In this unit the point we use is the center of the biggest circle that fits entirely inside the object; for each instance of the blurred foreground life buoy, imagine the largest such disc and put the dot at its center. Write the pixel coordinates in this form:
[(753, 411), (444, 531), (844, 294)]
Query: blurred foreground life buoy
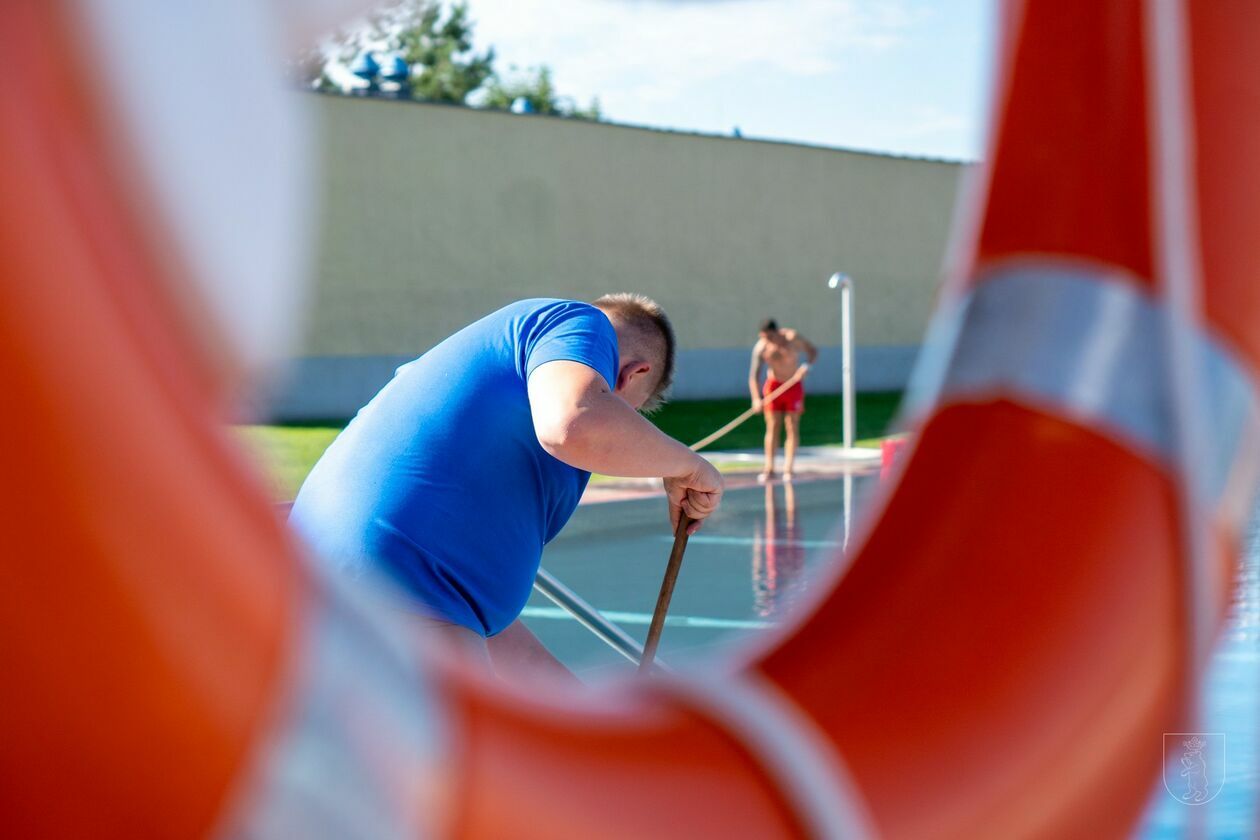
[(1047, 572)]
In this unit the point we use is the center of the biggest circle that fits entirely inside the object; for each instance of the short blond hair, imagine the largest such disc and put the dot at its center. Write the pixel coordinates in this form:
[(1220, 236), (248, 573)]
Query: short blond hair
[(645, 319)]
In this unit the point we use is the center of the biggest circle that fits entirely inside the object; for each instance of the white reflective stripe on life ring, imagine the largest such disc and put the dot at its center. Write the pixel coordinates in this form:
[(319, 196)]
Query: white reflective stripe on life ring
[(797, 757), (354, 747), (1088, 346)]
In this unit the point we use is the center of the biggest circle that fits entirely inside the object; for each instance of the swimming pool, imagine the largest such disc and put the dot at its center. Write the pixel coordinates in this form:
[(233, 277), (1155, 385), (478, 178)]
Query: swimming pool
[(1231, 707), (749, 564), (756, 558)]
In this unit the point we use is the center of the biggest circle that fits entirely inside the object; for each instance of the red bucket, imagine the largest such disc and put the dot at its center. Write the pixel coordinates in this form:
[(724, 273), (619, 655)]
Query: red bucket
[(889, 451)]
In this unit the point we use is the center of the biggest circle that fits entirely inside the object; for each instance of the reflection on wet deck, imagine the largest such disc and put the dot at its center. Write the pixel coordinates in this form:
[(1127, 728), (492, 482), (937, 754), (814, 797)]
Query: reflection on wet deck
[(778, 553)]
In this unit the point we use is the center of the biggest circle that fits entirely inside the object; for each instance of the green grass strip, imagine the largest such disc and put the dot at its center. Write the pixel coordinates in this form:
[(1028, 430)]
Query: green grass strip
[(287, 452)]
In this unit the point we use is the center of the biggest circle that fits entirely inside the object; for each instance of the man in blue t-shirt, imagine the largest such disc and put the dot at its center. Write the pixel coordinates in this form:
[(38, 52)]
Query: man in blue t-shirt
[(453, 478)]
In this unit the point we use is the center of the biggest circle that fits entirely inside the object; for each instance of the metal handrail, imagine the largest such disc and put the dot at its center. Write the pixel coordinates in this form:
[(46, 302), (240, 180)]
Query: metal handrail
[(572, 603)]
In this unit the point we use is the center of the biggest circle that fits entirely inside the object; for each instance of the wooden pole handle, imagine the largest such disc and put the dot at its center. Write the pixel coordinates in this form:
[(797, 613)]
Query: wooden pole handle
[(667, 592), (739, 421)]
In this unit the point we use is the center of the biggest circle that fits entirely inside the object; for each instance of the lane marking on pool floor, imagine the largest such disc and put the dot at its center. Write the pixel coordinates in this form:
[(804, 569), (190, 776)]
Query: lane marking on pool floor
[(718, 539), (646, 618)]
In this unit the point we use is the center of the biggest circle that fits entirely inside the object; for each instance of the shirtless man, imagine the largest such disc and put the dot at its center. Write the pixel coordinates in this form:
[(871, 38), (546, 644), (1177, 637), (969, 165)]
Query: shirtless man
[(780, 351)]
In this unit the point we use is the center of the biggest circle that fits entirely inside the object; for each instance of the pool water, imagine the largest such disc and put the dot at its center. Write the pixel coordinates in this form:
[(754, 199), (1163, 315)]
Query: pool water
[(750, 563), (1231, 707), (754, 560)]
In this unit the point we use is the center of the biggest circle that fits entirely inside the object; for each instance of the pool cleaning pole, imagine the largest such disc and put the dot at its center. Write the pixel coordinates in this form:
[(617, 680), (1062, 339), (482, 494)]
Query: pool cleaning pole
[(569, 601), (844, 283), (667, 592)]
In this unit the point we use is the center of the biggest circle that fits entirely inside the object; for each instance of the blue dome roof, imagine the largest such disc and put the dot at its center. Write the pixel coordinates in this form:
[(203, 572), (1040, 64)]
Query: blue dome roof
[(365, 66), (394, 69)]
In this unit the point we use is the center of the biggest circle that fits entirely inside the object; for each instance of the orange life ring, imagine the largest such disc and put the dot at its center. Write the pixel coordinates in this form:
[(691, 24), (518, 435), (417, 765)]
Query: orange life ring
[(172, 669)]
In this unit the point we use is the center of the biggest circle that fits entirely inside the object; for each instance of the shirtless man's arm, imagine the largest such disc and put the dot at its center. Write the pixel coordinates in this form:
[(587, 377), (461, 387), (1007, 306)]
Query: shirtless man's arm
[(754, 374), (801, 344)]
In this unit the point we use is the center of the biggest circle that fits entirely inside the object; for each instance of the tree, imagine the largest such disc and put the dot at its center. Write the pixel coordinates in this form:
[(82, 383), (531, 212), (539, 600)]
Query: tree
[(437, 47), (535, 87), (436, 42)]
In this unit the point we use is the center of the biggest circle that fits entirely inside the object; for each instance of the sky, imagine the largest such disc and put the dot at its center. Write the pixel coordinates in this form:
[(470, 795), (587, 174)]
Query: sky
[(908, 77)]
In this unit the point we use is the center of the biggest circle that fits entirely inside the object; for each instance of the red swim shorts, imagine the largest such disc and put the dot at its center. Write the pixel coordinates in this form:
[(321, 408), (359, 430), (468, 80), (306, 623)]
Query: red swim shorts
[(791, 401)]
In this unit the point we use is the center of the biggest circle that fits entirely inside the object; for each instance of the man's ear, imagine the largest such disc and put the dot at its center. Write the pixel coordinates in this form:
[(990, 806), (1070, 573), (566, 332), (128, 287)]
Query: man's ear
[(630, 371)]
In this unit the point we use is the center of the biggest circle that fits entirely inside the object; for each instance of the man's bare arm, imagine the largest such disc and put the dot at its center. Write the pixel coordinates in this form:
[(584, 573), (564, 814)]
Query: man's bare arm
[(801, 344), (580, 421), (754, 375)]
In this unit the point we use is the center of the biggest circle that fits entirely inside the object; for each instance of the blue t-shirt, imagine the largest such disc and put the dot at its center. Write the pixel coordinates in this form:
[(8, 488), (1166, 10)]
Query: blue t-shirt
[(440, 483)]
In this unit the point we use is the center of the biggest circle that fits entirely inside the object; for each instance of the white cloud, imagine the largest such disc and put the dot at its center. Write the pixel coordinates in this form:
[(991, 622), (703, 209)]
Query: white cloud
[(653, 50)]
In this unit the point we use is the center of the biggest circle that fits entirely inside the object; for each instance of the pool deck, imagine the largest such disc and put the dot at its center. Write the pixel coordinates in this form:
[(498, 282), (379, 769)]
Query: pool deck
[(812, 464)]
